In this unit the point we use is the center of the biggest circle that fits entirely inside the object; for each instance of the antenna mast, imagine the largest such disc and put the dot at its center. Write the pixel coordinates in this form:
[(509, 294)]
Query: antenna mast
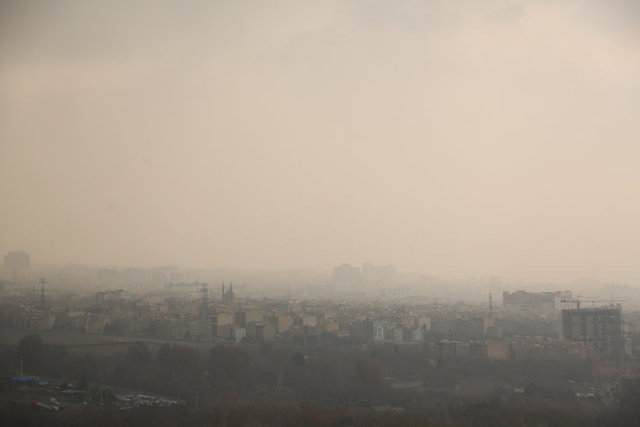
[(42, 282)]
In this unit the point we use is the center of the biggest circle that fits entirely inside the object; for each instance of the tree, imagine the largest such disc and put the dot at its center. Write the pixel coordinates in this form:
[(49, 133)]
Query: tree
[(83, 382), (298, 359), (228, 362), (31, 349), (176, 356), (138, 354), (369, 373)]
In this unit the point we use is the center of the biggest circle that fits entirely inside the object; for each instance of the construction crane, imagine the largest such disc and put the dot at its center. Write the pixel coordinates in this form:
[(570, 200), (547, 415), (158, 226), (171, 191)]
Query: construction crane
[(578, 301)]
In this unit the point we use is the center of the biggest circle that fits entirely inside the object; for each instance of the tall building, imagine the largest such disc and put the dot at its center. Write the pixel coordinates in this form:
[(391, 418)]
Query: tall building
[(377, 273), (17, 263), (228, 296), (346, 274), (108, 277), (202, 322), (522, 301), (600, 329)]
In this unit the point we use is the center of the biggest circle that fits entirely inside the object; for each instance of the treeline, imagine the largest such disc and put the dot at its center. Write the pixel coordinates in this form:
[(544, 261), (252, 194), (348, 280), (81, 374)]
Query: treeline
[(286, 372), (316, 385), (195, 375)]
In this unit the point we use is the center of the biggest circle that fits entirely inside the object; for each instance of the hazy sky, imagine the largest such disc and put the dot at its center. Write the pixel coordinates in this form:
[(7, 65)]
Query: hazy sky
[(457, 138)]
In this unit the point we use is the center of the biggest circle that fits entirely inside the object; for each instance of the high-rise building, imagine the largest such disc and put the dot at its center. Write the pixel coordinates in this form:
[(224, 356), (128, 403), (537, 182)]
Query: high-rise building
[(17, 263), (522, 301), (600, 329), (346, 274), (377, 273), (228, 296), (202, 323)]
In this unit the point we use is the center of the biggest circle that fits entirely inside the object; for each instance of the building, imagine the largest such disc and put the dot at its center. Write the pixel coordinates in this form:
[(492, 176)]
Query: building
[(423, 322), (346, 274), (522, 301), (418, 334), (228, 296), (40, 320), (377, 273), (94, 323), (284, 323), (309, 320), (16, 263), (108, 277), (475, 349), (260, 331), (497, 350), (225, 318), (600, 329), (200, 328), (447, 348), (109, 298), (379, 327)]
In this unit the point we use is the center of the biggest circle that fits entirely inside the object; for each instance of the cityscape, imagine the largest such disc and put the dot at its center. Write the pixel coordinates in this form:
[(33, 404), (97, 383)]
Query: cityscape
[(415, 355), (337, 213)]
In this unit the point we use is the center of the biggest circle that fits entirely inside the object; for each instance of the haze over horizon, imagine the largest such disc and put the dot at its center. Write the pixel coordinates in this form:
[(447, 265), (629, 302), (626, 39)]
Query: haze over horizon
[(451, 138)]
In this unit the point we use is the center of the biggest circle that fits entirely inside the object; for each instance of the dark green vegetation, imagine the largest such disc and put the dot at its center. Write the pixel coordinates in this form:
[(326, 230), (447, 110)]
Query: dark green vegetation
[(284, 384)]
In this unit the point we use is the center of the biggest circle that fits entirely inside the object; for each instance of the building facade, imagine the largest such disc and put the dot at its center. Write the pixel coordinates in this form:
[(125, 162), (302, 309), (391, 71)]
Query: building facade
[(17, 263), (600, 329)]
